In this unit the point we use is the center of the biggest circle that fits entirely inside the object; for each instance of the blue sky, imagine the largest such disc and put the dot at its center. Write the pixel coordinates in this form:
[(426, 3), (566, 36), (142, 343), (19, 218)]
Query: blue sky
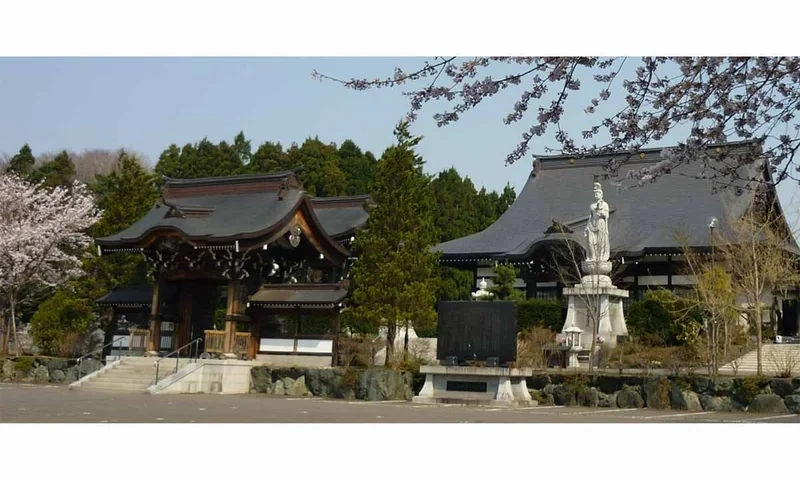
[(145, 104)]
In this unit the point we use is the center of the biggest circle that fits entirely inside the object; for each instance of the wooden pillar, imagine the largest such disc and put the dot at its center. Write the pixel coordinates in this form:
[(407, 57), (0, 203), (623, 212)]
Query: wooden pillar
[(233, 312), (154, 335), (182, 332), (336, 328), (255, 338)]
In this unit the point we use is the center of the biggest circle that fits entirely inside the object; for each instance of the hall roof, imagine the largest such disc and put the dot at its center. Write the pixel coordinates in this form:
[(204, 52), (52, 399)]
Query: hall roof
[(310, 295), (222, 210), (643, 219)]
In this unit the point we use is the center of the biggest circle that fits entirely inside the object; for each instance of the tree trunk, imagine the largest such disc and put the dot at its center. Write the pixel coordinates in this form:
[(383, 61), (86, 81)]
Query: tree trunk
[(17, 344), (758, 337), (709, 327), (4, 336), (405, 343), (391, 334)]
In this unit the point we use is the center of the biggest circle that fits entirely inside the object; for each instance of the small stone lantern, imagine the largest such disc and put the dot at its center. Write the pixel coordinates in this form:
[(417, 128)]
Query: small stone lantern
[(573, 334)]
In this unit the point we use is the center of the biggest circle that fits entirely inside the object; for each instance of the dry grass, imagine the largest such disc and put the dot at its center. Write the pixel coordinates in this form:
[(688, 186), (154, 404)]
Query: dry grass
[(532, 347), (784, 364)]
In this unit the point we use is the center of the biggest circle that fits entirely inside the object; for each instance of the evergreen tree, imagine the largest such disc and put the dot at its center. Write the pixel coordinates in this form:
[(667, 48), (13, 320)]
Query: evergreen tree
[(358, 168), (125, 196), (269, 158), (505, 277), (23, 162), (321, 175), (60, 172), (205, 159), (395, 274)]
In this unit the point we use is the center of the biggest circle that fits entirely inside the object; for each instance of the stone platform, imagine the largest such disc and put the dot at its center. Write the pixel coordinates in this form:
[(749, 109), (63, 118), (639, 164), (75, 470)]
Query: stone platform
[(490, 386)]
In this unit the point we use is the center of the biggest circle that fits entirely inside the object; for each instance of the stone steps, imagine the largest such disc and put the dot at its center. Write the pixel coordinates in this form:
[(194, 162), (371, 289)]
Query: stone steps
[(773, 358), (133, 374)]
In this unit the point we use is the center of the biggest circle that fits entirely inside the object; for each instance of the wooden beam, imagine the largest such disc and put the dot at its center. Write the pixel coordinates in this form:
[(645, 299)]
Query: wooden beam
[(154, 334), (234, 309)]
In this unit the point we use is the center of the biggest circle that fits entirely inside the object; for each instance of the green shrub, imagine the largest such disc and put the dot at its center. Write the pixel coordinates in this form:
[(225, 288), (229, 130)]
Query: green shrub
[(540, 313), (60, 315), (24, 364), (654, 320), (749, 388)]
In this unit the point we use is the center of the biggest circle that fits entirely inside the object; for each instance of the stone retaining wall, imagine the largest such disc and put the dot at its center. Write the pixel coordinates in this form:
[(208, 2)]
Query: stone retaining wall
[(46, 369), (692, 393), (372, 384)]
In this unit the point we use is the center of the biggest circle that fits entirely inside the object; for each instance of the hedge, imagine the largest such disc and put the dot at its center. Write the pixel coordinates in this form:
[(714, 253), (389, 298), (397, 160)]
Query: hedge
[(540, 313)]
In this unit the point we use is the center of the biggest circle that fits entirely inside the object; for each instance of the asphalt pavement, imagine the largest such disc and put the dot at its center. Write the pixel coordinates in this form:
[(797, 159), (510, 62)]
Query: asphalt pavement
[(28, 403)]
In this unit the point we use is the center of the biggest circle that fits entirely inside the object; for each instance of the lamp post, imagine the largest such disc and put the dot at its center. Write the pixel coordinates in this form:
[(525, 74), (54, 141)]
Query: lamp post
[(712, 222)]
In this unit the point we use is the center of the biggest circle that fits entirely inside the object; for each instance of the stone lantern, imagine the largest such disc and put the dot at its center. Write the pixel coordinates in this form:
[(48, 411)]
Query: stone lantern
[(573, 336)]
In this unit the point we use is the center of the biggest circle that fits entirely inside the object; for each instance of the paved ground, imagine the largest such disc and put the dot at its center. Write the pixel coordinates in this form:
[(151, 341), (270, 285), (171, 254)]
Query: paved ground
[(24, 403)]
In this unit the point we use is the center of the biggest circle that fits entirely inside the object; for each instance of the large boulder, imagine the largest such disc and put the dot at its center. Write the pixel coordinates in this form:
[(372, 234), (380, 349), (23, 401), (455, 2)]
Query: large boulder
[(41, 374), (588, 397), (629, 397), (611, 401), (8, 369), (767, 403), (549, 389), (564, 396), (609, 384), (657, 392), (683, 399), (277, 388), (298, 388), (71, 374), (377, 384), (57, 376), (723, 386), (702, 385), (325, 382), (288, 383), (55, 364), (781, 386), (261, 379), (792, 403), (796, 384), (719, 404), (89, 365)]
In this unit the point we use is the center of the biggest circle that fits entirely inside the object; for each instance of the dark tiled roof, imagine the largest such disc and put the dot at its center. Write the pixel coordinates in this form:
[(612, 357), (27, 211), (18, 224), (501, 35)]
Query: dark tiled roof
[(642, 218), (225, 209), (302, 295), (132, 296), (341, 216)]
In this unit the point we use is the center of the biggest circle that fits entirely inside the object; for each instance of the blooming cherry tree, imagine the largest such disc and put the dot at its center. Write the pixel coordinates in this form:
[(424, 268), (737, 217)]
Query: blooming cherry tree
[(42, 236), (710, 99)]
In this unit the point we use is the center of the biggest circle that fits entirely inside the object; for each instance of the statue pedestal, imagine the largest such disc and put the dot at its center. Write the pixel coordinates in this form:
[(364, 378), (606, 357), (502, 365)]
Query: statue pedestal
[(596, 294)]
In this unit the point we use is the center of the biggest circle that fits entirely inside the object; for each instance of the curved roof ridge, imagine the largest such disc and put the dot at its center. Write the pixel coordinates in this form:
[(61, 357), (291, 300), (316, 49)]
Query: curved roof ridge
[(242, 178)]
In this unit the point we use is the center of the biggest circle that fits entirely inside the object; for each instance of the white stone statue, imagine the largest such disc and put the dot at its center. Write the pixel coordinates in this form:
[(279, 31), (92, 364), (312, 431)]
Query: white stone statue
[(597, 228)]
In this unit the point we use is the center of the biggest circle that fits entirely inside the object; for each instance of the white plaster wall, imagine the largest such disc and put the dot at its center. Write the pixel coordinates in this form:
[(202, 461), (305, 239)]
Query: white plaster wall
[(208, 376)]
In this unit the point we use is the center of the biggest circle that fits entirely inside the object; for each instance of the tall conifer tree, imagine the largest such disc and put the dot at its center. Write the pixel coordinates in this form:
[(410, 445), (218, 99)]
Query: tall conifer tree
[(396, 273)]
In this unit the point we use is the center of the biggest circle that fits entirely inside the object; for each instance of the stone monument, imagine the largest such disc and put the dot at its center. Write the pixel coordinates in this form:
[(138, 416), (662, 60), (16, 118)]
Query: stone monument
[(596, 298)]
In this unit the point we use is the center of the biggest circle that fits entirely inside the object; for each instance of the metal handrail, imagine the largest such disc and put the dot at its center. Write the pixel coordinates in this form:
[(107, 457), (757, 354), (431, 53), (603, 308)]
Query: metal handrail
[(80, 369), (177, 354)]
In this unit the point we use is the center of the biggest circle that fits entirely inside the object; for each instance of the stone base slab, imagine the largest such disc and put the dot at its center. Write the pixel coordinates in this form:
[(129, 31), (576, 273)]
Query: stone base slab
[(491, 386)]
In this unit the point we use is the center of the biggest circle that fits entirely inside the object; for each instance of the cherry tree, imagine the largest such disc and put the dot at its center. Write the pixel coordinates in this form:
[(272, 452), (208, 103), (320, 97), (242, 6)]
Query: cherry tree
[(712, 99), (42, 237)]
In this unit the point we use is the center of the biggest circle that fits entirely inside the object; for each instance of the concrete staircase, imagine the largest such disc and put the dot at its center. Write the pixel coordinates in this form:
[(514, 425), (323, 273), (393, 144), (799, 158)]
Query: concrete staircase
[(130, 375), (774, 359)]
